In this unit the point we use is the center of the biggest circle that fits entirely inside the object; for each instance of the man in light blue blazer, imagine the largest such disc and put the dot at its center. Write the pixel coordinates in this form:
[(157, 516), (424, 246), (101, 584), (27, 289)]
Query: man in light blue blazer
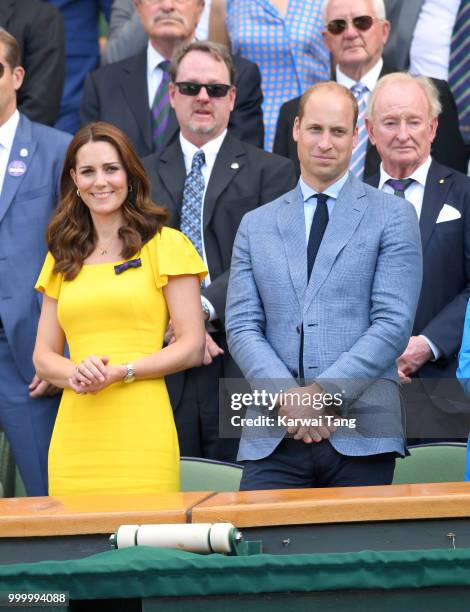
[(31, 157), (322, 295)]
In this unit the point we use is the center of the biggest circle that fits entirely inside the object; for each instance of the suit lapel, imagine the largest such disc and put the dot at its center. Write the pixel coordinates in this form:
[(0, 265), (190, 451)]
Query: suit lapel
[(291, 225), (347, 213), (172, 171), (21, 156), (135, 90), (438, 183), (230, 159)]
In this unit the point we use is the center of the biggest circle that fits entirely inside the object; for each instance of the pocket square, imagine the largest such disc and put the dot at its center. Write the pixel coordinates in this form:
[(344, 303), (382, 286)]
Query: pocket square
[(448, 213)]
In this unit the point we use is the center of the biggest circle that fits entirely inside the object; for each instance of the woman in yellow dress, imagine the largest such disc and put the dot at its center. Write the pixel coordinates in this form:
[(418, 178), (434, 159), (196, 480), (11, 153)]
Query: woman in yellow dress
[(112, 280)]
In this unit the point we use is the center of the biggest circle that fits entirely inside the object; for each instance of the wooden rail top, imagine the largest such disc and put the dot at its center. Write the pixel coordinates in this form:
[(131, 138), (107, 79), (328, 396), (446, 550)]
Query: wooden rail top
[(46, 516), (89, 514), (339, 505)]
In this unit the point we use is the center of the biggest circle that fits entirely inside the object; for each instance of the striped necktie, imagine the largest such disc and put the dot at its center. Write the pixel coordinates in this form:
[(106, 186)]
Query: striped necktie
[(193, 192), (399, 186), (160, 111), (358, 157), (459, 67)]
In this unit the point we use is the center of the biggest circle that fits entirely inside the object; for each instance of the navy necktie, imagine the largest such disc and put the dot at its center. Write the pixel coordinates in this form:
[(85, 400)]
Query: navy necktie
[(193, 191), (317, 229), (319, 223)]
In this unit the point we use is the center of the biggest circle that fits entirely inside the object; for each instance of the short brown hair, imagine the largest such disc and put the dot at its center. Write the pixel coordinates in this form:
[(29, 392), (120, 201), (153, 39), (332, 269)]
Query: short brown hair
[(333, 87), (12, 49), (218, 52), (71, 235)]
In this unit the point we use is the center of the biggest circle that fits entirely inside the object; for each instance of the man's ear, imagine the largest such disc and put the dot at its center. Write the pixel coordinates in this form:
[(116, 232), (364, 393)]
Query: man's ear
[(370, 130), (296, 129), (18, 77)]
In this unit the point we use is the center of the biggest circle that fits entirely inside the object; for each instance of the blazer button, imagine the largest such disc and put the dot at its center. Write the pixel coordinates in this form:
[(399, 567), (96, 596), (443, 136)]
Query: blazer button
[(295, 373)]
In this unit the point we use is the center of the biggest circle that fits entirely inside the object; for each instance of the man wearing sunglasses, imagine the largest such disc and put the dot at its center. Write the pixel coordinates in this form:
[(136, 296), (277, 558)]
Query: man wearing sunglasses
[(355, 34), (31, 157), (133, 93), (208, 179)]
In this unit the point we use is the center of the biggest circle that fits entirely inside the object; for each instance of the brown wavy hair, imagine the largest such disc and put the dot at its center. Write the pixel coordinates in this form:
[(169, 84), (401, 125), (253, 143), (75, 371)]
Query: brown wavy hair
[(71, 236)]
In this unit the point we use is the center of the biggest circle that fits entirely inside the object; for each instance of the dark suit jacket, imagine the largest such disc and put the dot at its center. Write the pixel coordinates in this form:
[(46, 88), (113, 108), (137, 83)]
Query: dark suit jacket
[(118, 93), (446, 267), (243, 177), (39, 30), (448, 146), (403, 15)]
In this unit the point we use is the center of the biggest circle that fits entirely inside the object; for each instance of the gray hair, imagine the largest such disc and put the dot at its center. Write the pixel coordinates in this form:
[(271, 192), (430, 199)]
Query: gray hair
[(379, 9), (426, 85)]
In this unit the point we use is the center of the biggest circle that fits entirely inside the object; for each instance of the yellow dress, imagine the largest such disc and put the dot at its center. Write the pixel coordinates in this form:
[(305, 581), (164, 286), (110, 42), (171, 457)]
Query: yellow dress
[(123, 439)]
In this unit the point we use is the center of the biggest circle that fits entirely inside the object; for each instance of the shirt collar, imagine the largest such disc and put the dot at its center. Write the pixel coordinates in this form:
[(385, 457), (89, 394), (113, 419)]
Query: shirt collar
[(153, 59), (369, 79), (332, 191), (8, 130), (210, 149), (419, 175)]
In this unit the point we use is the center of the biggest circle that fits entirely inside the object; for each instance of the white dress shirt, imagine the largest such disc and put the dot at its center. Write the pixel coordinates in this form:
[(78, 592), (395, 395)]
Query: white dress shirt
[(430, 45), (310, 204), (414, 194), (369, 79), (211, 150), (7, 135)]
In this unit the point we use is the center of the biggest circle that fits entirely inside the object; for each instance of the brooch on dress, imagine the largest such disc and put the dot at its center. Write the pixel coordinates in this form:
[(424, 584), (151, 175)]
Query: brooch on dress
[(132, 263)]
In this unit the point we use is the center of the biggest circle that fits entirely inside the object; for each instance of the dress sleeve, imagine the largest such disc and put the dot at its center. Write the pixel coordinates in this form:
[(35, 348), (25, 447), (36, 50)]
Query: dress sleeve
[(175, 255), (49, 282)]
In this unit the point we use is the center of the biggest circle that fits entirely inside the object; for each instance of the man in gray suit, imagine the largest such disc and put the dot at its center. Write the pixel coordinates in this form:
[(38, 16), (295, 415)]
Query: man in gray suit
[(31, 157), (322, 295)]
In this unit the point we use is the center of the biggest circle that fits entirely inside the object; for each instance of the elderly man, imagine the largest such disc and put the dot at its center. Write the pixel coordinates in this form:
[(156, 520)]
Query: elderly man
[(133, 93), (31, 157), (323, 290), (208, 179), (355, 33), (402, 123)]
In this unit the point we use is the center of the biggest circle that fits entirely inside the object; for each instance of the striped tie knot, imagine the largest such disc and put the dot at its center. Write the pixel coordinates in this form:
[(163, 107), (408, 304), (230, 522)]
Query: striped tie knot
[(359, 90), (399, 186)]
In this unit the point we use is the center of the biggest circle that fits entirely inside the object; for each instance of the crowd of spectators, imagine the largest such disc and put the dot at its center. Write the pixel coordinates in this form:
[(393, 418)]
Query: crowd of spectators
[(199, 107)]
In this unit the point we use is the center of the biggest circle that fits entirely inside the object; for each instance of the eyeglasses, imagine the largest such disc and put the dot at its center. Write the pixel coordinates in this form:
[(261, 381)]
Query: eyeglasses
[(214, 90), (361, 23)]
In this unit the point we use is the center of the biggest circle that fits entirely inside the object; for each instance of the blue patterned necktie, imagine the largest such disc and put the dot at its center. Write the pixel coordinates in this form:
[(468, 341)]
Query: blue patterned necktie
[(160, 111), (399, 186), (459, 67), (193, 193), (358, 157)]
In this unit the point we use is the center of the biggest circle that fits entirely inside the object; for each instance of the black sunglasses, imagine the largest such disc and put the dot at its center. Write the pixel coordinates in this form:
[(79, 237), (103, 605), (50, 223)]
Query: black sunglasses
[(214, 90), (361, 23)]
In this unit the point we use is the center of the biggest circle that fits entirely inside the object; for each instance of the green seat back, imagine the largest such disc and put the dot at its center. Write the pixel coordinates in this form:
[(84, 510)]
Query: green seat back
[(432, 463), (206, 475)]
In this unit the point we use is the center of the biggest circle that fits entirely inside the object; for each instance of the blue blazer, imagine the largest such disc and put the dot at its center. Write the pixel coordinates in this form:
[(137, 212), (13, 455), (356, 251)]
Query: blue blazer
[(26, 204), (357, 310)]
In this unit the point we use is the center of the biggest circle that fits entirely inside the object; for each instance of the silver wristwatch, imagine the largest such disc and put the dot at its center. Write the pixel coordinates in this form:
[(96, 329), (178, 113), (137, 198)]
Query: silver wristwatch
[(130, 374)]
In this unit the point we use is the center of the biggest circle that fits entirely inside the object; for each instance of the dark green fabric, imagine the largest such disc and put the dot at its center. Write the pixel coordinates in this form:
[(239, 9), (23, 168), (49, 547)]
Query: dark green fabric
[(147, 572)]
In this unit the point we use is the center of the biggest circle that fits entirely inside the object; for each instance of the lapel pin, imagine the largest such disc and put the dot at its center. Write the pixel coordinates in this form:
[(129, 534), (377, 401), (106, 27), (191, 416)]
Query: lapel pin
[(24, 152), (234, 166), (16, 168), (441, 181)]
